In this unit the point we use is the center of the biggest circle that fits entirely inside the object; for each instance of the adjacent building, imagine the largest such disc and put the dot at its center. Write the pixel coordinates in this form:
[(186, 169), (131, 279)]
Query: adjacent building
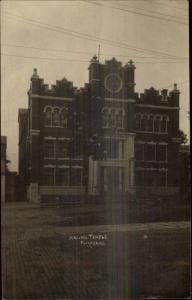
[(102, 140), (11, 187), (3, 166)]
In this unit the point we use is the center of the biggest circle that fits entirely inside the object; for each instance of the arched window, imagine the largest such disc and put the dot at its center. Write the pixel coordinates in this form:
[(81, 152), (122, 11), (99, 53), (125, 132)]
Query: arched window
[(144, 123), (56, 117), (64, 118), (48, 116), (105, 118), (164, 123), (157, 124), (120, 119), (137, 121), (112, 118), (151, 123)]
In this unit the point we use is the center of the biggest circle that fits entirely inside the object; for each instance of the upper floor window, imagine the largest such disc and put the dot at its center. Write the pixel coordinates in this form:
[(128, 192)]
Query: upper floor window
[(49, 148), (64, 118), (105, 117), (55, 116), (162, 153), (157, 120), (137, 121), (164, 98), (164, 124), (144, 122), (150, 151), (120, 119), (113, 148), (48, 116), (151, 123), (112, 117)]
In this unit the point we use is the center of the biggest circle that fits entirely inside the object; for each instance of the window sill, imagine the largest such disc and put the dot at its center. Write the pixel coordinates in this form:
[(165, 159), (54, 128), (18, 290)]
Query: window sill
[(55, 126), (154, 132)]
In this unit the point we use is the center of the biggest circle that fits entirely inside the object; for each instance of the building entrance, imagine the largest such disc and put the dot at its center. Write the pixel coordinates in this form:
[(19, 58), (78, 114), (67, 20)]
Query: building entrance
[(112, 181)]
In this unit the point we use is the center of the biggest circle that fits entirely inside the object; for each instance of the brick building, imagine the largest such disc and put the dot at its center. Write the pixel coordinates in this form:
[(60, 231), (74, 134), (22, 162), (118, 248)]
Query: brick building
[(185, 172), (102, 139)]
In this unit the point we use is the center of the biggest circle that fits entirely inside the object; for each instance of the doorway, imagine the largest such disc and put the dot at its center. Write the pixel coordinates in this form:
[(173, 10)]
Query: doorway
[(112, 181)]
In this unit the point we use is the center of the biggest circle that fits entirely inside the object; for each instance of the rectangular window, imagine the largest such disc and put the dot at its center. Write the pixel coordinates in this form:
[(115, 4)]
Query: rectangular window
[(49, 149), (111, 148), (164, 98), (144, 123), (162, 178), (76, 176), (78, 148), (121, 149), (62, 149), (139, 151), (162, 152), (114, 149), (62, 176), (119, 120), (105, 118), (164, 124), (150, 152), (150, 178), (112, 118), (139, 178), (49, 176)]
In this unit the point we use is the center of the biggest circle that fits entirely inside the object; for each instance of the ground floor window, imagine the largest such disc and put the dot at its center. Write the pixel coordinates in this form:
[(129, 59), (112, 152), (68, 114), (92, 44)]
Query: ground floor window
[(151, 178), (139, 178), (76, 176), (62, 177), (139, 151), (162, 178), (49, 176)]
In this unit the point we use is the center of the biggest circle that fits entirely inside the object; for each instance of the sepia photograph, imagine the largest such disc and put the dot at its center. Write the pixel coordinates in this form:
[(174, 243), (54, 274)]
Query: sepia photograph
[(95, 150)]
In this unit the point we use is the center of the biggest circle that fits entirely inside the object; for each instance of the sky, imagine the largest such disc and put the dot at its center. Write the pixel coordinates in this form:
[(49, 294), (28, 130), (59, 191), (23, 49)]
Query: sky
[(59, 38)]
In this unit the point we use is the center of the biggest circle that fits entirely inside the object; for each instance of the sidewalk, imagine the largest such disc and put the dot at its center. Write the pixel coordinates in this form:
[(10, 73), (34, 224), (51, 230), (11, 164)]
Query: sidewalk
[(122, 227)]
